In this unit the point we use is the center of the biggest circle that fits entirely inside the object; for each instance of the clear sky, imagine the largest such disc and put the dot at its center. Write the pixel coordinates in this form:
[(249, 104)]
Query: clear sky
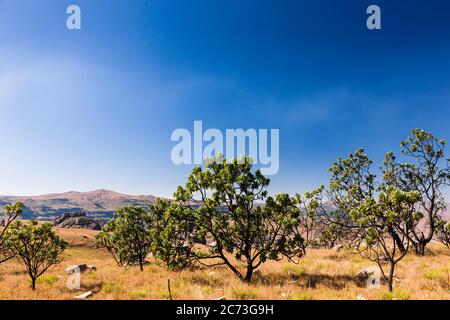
[(95, 108)]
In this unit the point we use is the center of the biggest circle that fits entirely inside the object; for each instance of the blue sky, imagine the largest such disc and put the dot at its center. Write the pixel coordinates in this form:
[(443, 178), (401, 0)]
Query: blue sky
[(95, 108)]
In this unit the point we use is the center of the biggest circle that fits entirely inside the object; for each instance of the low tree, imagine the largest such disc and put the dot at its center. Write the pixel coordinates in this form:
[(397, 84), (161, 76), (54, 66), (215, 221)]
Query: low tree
[(378, 219), (127, 236), (351, 184), (104, 239), (11, 213), (427, 174), (308, 212), (172, 233), (381, 223), (226, 200), (36, 246)]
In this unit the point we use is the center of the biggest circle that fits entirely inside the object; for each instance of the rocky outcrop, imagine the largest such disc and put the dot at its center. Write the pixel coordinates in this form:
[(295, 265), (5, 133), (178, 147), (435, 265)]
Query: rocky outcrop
[(76, 220)]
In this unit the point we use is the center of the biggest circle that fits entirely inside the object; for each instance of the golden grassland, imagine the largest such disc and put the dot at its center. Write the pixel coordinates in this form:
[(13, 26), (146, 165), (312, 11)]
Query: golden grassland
[(321, 274)]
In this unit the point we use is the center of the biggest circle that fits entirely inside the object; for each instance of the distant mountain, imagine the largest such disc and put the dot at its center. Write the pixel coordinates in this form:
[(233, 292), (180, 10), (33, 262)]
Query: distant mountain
[(99, 203)]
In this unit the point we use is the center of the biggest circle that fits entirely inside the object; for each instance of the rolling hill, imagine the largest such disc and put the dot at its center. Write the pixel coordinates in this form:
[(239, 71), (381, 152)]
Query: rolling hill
[(99, 203)]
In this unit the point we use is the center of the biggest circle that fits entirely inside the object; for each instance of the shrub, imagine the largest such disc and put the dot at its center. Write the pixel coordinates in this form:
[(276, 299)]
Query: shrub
[(36, 246)]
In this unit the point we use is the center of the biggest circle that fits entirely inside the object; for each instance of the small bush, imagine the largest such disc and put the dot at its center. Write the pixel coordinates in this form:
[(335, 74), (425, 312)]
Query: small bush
[(49, 279)]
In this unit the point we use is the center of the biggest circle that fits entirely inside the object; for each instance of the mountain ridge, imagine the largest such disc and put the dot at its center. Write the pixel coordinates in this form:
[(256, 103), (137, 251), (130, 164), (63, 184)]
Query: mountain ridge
[(100, 203)]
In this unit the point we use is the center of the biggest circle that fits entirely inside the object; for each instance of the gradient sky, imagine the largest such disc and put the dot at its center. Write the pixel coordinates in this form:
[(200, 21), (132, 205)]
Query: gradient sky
[(95, 108)]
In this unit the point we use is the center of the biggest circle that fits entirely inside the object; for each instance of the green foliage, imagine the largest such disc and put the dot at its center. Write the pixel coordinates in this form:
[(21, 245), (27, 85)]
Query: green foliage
[(36, 246), (391, 214), (11, 213), (231, 195), (300, 216), (427, 175), (379, 224), (172, 235), (351, 182), (127, 236)]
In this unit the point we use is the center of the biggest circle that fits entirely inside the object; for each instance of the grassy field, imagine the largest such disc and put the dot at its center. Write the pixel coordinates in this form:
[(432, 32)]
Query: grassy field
[(322, 274)]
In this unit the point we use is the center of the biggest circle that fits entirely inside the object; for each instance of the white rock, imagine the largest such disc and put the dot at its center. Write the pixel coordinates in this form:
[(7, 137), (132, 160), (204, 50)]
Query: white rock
[(83, 296), (220, 298)]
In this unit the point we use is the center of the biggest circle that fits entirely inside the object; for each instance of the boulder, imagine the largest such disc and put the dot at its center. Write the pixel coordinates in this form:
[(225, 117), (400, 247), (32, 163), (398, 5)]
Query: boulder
[(80, 268), (76, 220), (83, 296), (369, 276)]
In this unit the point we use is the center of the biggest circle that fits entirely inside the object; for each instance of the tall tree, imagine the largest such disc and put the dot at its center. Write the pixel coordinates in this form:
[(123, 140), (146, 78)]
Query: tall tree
[(351, 184), (36, 246), (226, 203), (379, 219), (427, 175), (11, 213)]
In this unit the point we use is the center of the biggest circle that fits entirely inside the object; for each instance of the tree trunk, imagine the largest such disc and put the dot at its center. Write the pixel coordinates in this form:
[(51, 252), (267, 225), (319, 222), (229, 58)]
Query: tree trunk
[(400, 244), (248, 275), (397, 240), (420, 249), (33, 284), (141, 264), (391, 276)]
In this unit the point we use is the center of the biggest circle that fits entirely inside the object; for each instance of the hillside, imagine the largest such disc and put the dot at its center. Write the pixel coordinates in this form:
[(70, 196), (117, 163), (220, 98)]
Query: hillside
[(99, 203)]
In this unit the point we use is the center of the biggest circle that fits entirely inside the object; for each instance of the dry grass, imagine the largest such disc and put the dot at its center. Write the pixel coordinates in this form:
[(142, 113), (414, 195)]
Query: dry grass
[(322, 274)]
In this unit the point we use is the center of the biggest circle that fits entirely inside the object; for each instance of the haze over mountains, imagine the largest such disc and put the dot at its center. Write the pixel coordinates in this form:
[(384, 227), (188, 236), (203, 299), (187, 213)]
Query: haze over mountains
[(99, 203)]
